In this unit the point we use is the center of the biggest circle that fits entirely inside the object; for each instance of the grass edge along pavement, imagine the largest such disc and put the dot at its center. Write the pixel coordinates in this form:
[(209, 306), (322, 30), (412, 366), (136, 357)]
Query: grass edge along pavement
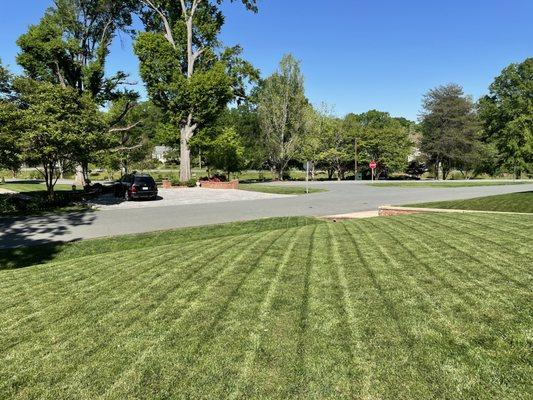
[(415, 306), (277, 189), (27, 256), (447, 184), (519, 202)]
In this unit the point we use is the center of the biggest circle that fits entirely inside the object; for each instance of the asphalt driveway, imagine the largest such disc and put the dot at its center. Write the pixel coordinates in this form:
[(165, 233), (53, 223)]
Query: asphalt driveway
[(340, 198)]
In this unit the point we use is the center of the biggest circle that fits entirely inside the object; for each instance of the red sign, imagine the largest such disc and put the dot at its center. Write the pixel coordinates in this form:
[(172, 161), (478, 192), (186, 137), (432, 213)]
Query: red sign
[(372, 164)]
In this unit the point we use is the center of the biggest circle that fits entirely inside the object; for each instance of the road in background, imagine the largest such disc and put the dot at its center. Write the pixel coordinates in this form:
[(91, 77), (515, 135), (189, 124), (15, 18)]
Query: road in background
[(340, 198)]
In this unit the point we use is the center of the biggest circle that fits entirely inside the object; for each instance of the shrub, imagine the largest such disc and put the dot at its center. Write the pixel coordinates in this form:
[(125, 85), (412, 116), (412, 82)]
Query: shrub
[(191, 182)]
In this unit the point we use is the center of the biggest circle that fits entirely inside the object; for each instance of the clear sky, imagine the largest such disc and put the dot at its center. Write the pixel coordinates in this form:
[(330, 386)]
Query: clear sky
[(356, 54)]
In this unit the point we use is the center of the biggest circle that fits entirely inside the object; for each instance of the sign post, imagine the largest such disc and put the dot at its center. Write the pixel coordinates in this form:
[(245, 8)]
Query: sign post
[(372, 166)]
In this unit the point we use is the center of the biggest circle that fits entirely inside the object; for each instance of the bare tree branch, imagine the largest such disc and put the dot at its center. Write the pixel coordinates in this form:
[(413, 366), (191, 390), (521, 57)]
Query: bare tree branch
[(168, 30), (124, 128)]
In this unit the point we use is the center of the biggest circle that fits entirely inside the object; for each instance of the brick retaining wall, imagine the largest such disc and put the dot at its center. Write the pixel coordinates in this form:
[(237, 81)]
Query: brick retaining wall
[(234, 184)]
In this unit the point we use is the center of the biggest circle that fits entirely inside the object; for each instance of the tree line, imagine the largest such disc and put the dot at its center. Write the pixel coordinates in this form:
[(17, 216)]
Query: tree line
[(65, 112)]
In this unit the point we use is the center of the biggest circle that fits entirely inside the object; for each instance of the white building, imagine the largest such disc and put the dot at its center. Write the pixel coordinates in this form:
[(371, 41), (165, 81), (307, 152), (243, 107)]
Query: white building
[(160, 153)]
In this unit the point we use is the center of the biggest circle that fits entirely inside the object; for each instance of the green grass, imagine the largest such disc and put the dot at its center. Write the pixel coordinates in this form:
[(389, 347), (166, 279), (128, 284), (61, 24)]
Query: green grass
[(277, 189), (448, 184), (29, 188), (411, 307), (512, 202)]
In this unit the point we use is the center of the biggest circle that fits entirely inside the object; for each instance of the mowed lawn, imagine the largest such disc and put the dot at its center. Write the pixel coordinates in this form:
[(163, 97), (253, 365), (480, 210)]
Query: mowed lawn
[(411, 307), (514, 202), (253, 187), (30, 187)]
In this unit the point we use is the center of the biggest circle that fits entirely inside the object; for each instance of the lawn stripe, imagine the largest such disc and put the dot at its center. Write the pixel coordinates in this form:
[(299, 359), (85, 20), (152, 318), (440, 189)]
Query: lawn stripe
[(506, 223), (472, 250), (130, 300), (485, 318), (255, 337), (324, 362), (168, 288), (302, 380), (431, 384), (357, 372), (221, 345), (490, 228), (275, 372), (116, 273), (470, 278), (164, 287), (125, 378), (86, 274)]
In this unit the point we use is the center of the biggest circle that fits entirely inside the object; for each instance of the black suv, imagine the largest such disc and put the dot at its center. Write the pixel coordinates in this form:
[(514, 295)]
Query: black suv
[(136, 186)]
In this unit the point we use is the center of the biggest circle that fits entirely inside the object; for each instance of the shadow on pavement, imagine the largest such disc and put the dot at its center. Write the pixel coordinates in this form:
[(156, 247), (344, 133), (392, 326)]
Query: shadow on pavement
[(28, 241)]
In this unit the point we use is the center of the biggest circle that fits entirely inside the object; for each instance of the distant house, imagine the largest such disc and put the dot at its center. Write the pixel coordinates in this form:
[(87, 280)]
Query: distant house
[(160, 153)]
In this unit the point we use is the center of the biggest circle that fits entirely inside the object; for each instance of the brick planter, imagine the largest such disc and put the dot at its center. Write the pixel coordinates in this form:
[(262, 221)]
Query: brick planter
[(234, 184), (167, 184)]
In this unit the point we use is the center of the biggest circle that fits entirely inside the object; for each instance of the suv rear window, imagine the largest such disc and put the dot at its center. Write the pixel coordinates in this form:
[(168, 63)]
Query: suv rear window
[(144, 180)]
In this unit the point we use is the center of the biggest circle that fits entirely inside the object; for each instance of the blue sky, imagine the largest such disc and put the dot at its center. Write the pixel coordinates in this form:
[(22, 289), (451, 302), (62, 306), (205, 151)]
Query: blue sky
[(356, 54)]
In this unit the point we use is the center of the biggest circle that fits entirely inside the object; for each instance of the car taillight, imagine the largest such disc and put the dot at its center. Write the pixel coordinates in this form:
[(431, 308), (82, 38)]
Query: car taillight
[(133, 188)]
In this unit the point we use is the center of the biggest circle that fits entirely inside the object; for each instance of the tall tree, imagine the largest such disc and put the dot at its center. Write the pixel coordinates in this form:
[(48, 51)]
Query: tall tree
[(69, 47), (450, 128), (320, 123), (185, 69), (226, 152), (383, 139), (10, 152), (282, 114), (507, 115), (53, 122)]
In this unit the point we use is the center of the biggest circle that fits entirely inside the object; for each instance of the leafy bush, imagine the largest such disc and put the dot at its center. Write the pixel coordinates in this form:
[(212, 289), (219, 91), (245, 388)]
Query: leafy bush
[(35, 175), (26, 204), (191, 182)]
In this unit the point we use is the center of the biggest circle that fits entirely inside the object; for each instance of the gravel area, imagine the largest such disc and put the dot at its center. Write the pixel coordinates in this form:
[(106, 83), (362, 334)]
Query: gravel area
[(182, 196)]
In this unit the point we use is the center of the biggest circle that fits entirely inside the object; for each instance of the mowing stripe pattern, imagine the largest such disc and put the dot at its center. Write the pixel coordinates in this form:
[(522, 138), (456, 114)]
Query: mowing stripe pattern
[(417, 306)]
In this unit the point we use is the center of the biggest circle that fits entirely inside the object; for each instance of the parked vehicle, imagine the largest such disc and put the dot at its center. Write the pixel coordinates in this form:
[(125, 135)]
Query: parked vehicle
[(136, 186)]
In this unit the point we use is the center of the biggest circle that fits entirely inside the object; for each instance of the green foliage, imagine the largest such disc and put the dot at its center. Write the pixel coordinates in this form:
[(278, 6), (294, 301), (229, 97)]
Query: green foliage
[(507, 115), (282, 109), (70, 44), (226, 152), (186, 72), (380, 138), (450, 130), (134, 145), (55, 122)]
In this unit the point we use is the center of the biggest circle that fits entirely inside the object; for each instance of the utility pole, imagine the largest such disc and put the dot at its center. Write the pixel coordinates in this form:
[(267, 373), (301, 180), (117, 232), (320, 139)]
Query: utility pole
[(355, 162)]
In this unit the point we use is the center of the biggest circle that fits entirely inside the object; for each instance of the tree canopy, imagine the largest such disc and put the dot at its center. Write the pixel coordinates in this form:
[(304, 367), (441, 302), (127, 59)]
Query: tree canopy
[(186, 71), (450, 128), (282, 108), (507, 115)]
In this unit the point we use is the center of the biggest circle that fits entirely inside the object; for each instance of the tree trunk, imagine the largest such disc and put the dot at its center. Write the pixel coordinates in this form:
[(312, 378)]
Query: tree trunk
[(80, 176), (185, 155), (280, 173)]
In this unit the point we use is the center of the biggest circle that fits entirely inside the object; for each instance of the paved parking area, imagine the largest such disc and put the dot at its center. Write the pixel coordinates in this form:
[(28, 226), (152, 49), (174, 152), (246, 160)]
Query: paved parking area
[(182, 196)]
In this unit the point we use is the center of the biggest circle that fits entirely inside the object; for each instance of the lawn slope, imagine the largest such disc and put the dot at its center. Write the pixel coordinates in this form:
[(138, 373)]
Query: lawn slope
[(513, 202), (423, 306)]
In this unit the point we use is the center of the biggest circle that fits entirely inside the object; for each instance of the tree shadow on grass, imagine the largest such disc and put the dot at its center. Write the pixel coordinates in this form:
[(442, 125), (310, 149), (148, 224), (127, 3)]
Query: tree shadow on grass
[(26, 241)]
